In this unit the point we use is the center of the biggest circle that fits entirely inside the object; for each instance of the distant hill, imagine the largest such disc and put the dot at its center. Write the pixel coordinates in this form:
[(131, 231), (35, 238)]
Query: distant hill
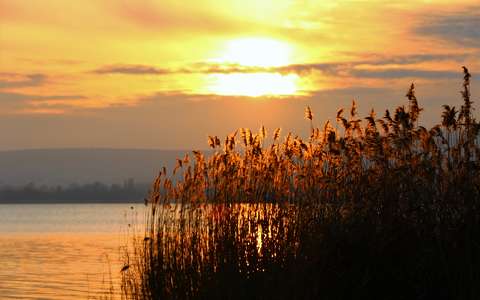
[(67, 166)]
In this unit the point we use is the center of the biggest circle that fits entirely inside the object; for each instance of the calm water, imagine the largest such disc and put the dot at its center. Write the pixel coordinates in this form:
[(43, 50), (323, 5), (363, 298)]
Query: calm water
[(64, 251)]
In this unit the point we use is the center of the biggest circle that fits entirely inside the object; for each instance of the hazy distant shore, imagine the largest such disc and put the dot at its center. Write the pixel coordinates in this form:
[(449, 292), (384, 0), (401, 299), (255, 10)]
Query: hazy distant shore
[(128, 192), (81, 175)]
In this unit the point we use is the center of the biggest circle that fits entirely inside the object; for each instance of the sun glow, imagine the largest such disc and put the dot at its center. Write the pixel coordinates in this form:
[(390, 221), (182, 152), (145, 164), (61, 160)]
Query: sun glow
[(254, 85), (255, 52)]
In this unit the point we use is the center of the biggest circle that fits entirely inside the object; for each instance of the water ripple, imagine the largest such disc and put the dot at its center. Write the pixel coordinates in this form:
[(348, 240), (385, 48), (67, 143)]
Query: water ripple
[(63, 259)]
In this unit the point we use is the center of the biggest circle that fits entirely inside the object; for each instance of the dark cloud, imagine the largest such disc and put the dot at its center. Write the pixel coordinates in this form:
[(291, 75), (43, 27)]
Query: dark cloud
[(12, 102), (194, 120), (221, 68), (461, 27), (198, 68), (335, 94), (25, 81), (186, 97), (351, 68), (416, 58), (336, 69), (301, 69), (358, 68), (56, 97), (131, 70), (405, 73), (331, 69), (12, 98), (348, 69)]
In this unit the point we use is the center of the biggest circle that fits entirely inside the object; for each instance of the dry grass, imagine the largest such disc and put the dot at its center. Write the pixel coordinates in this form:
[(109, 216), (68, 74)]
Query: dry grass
[(381, 209)]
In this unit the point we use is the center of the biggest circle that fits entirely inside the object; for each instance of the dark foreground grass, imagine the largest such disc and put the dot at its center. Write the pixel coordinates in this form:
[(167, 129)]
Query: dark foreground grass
[(381, 209)]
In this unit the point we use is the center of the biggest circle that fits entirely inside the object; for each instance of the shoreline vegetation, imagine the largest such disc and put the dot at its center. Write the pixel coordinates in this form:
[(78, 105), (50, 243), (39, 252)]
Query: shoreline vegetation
[(96, 192), (381, 208)]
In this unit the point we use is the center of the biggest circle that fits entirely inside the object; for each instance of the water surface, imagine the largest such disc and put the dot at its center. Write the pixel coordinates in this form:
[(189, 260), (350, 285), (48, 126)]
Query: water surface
[(64, 251)]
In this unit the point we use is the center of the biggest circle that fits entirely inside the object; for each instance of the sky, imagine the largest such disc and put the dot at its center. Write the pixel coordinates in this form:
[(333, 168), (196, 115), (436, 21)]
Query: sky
[(165, 74)]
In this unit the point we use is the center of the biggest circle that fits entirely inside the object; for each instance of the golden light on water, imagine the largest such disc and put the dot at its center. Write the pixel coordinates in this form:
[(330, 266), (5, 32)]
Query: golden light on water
[(254, 52)]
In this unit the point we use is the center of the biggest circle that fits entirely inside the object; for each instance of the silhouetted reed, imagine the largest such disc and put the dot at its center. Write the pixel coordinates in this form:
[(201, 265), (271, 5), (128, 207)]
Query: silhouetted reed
[(379, 209)]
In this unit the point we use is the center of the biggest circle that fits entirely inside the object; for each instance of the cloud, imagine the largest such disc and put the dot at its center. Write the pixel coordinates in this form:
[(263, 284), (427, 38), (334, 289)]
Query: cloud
[(19, 102), (12, 98), (131, 70), (186, 97), (23, 103), (197, 68), (333, 94), (351, 68), (20, 81), (56, 97), (404, 73), (202, 68), (335, 69), (300, 69), (461, 27), (415, 58)]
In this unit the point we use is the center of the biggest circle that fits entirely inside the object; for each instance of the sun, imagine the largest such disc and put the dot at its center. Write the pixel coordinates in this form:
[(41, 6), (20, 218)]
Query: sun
[(264, 53)]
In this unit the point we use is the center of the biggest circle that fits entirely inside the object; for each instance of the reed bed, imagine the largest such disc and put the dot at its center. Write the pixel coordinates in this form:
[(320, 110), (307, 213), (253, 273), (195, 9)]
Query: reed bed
[(381, 208)]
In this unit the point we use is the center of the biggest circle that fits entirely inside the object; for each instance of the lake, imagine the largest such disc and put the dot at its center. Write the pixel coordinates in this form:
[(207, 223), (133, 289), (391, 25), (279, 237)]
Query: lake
[(64, 251)]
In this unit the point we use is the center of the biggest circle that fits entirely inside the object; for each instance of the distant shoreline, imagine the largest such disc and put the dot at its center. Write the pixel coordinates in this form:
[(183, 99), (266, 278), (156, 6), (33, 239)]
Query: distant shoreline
[(72, 202)]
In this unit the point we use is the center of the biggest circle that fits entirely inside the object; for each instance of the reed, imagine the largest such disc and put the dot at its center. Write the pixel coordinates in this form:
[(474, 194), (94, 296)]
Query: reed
[(380, 209)]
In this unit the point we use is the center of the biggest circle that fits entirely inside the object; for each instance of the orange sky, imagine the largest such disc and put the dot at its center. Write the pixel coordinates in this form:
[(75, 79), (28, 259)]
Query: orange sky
[(164, 74)]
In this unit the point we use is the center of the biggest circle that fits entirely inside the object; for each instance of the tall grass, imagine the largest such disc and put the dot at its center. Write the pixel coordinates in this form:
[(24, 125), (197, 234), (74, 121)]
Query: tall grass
[(380, 209)]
